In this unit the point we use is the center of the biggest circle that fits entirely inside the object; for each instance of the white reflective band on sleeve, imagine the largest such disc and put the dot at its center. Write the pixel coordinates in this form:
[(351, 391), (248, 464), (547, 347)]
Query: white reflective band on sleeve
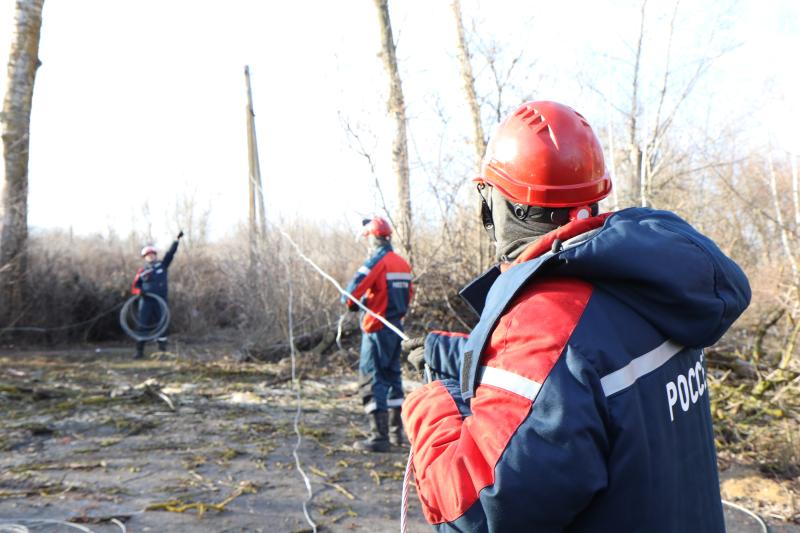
[(398, 276), (640, 366), (503, 379), (391, 403), (363, 270)]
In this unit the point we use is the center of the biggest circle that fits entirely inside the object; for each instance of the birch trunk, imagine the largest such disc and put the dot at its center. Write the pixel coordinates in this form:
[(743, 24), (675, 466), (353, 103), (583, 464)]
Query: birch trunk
[(22, 64), (479, 140), (773, 187), (636, 157), (469, 87), (397, 110)]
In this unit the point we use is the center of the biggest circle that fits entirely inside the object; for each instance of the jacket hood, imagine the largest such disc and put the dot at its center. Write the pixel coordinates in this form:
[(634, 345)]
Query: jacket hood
[(659, 265)]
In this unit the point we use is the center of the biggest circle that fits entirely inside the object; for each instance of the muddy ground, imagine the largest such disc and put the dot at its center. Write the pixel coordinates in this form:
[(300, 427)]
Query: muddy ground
[(194, 441)]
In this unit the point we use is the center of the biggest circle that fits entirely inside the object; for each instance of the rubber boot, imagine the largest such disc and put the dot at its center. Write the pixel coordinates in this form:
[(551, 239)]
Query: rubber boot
[(162, 345), (396, 428), (139, 350), (378, 440)]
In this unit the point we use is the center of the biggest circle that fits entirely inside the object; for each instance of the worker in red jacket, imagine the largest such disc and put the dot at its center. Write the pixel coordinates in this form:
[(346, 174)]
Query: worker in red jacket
[(383, 285), (580, 400)]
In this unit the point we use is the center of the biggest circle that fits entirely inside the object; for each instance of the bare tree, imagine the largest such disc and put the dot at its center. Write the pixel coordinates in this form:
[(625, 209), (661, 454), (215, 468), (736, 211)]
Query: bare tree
[(22, 65), (397, 109), (478, 137), (635, 179), (651, 161), (468, 79)]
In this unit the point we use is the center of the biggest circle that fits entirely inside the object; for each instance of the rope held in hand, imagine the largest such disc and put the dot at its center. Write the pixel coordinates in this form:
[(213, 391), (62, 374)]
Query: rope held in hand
[(134, 328)]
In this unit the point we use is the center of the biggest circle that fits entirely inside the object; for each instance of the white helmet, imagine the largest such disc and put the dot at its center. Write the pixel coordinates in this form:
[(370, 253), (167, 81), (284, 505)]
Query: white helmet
[(149, 250)]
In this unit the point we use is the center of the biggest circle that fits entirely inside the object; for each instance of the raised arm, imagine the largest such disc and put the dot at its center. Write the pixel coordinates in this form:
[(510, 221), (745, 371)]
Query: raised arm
[(170, 255)]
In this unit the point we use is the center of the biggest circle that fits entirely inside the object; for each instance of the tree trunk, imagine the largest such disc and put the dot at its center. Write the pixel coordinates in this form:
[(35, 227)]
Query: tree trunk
[(635, 191), (469, 87), (479, 140), (22, 64), (397, 109)]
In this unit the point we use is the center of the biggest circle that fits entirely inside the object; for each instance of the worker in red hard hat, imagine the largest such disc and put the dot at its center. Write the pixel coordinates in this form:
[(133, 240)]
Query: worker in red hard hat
[(579, 402), (383, 285), (151, 278)]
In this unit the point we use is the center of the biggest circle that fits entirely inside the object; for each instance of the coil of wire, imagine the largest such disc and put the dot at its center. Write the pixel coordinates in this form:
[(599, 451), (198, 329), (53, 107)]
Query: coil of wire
[(130, 318)]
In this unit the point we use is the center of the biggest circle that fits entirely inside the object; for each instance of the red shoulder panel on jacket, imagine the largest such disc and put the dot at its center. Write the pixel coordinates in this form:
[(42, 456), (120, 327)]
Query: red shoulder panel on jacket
[(453, 466), (529, 338)]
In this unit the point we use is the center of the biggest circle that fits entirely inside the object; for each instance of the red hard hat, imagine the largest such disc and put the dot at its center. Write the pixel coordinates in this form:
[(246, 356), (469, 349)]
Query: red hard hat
[(376, 226), (149, 250), (546, 154)]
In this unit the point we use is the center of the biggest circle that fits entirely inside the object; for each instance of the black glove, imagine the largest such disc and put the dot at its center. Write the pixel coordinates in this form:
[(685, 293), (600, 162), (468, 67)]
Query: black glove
[(179, 235)]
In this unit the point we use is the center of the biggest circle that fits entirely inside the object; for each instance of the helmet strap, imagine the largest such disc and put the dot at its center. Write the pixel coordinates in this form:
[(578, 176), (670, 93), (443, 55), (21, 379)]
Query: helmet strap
[(486, 214)]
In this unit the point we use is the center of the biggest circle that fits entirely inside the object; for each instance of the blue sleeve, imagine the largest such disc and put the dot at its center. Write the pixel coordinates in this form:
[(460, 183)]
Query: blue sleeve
[(355, 281), (443, 354), (170, 254)]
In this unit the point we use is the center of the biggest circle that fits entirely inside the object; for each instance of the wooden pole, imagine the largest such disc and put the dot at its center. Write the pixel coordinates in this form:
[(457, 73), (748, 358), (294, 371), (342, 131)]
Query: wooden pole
[(257, 219), (251, 181)]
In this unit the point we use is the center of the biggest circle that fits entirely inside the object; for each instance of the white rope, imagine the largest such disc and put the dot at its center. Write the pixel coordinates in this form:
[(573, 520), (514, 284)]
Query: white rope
[(13, 528), (749, 513), (339, 330), (15, 525), (296, 385), (339, 287), (406, 491)]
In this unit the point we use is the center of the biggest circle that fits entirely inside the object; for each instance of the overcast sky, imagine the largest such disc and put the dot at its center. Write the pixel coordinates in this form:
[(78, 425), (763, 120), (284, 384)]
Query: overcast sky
[(139, 106)]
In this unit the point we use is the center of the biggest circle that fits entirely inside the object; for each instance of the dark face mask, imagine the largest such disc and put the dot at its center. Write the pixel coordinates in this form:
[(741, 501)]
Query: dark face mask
[(512, 226)]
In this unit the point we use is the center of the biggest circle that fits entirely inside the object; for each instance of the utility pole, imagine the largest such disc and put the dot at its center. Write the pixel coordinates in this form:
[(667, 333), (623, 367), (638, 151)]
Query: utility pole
[(257, 221)]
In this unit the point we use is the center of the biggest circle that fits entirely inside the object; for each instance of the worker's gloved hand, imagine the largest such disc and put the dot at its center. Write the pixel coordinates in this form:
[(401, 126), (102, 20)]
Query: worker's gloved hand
[(415, 348), (410, 344), (417, 358), (179, 236)]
